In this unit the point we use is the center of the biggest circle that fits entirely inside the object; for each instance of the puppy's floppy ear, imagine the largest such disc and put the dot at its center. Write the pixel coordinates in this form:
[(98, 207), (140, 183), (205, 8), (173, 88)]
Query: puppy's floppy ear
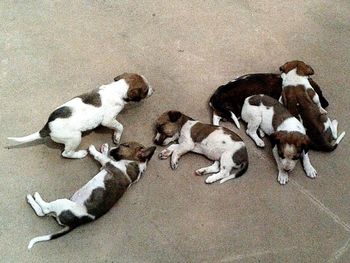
[(276, 137), (119, 77), (283, 68), (146, 154), (305, 143), (304, 69), (174, 115), (134, 95)]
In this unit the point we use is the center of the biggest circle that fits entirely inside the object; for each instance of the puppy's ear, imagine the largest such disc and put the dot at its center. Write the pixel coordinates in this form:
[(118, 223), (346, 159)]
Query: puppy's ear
[(304, 69), (134, 95), (275, 138), (305, 143), (146, 154), (119, 77), (174, 115), (283, 68)]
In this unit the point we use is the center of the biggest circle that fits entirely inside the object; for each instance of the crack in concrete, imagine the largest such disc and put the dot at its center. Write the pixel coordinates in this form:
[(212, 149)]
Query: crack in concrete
[(321, 206)]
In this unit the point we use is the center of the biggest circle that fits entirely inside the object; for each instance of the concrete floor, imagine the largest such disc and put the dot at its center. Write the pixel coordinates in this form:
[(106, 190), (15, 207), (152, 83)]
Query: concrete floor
[(54, 50)]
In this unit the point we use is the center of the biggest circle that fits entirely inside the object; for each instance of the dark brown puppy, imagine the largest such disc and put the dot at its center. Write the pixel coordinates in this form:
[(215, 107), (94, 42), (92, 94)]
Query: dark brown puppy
[(227, 101), (320, 129)]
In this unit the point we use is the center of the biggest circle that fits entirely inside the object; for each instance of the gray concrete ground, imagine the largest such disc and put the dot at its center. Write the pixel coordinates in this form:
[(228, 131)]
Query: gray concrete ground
[(54, 50)]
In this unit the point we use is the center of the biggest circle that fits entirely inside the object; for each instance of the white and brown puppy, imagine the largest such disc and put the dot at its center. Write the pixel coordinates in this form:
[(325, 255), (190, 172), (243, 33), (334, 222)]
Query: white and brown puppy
[(222, 145), (295, 73), (87, 111), (123, 168), (323, 132), (227, 101), (288, 136)]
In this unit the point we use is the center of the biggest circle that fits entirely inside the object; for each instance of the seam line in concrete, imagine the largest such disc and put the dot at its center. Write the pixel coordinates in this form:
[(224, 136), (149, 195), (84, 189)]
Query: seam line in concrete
[(321, 206)]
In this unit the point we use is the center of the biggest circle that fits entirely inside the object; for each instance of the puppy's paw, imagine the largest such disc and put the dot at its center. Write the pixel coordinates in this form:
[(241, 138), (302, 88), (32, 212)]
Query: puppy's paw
[(37, 196), (282, 178), (200, 172), (30, 199), (92, 149), (80, 154), (164, 154), (323, 111), (260, 143), (104, 148), (116, 137), (174, 164), (211, 179), (310, 172)]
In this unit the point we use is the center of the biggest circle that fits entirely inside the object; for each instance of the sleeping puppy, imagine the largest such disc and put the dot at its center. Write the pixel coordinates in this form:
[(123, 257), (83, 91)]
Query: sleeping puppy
[(216, 143), (227, 100), (297, 73), (320, 129), (123, 168), (301, 100), (87, 111), (287, 134)]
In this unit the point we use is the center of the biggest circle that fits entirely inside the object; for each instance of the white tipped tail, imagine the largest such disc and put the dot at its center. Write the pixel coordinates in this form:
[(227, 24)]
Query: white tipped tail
[(38, 239), (340, 137), (235, 120), (29, 138)]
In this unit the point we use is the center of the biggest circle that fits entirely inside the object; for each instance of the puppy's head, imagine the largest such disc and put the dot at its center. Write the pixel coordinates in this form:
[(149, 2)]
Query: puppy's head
[(302, 69), (290, 146), (132, 151), (139, 87), (168, 127)]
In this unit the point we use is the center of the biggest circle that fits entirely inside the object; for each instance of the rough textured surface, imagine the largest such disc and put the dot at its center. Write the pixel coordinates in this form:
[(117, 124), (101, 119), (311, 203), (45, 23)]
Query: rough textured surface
[(53, 50)]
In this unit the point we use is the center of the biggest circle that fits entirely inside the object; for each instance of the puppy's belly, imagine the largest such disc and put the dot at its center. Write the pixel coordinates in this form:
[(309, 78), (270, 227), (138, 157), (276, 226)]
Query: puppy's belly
[(84, 193), (211, 153)]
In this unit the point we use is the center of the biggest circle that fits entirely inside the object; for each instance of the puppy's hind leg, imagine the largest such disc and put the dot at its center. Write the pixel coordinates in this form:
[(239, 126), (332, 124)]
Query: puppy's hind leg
[(35, 206), (116, 126), (253, 125), (214, 168), (70, 145), (225, 167)]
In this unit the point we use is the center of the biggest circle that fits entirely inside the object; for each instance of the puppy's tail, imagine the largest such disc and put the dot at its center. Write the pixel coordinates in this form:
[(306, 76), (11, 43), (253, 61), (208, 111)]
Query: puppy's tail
[(29, 138), (64, 231), (242, 169), (44, 132)]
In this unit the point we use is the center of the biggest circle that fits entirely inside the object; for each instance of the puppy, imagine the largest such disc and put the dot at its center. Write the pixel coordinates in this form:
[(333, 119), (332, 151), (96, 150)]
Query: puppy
[(227, 100), (287, 134), (297, 73), (216, 143), (100, 194), (87, 111), (320, 129)]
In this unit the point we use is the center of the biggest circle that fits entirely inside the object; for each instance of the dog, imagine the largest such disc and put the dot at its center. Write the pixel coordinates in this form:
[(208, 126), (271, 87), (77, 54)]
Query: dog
[(227, 101), (123, 167), (320, 129), (222, 145), (87, 111), (288, 136), (302, 101)]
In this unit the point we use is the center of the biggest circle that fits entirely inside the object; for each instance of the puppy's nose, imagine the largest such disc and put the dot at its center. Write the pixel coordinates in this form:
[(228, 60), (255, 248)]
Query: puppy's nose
[(287, 169)]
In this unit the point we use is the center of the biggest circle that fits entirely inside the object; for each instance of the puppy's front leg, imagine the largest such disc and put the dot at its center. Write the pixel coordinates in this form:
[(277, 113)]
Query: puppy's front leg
[(308, 168), (117, 127), (178, 152), (167, 152), (100, 157), (282, 175)]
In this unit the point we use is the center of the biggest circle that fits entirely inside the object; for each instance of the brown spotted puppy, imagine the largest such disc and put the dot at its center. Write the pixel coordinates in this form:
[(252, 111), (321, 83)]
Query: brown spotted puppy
[(123, 167), (87, 111), (295, 73), (216, 143), (322, 132), (289, 140)]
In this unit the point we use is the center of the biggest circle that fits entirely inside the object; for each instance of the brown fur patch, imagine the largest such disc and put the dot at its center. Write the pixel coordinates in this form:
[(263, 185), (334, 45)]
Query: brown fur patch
[(302, 68), (298, 140), (169, 123), (232, 134), (132, 169), (138, 88), (93, 98), (127, 151), (200, 131)]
